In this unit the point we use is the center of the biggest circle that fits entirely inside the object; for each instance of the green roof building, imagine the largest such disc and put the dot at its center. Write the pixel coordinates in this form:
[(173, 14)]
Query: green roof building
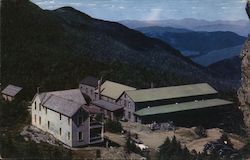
[(158, 104)]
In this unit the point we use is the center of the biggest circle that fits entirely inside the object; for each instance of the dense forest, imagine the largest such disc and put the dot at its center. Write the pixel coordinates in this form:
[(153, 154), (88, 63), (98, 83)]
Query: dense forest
[(37, 51)]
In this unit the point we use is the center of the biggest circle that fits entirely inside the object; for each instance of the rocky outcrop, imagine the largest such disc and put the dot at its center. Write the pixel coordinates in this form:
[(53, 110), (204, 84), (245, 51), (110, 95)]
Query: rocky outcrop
[(248, 8), (244, 91)]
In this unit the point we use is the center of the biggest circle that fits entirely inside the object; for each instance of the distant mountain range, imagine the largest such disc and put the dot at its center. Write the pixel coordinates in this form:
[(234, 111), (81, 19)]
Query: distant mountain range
[(240, 27), (215, 50), (190, 41), (218, 55)]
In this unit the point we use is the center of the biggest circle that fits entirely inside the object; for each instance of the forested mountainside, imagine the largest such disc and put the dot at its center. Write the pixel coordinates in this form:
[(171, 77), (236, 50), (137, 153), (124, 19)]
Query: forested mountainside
[(56, 49), (228, 68)]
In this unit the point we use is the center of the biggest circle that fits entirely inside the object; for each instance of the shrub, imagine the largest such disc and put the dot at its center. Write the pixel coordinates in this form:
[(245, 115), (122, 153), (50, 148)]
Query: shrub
[(200, 131), (113, 126), (98, 153)]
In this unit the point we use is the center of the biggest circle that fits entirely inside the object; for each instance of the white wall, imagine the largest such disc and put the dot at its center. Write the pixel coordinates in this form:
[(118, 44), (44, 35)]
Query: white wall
[(55, 122)]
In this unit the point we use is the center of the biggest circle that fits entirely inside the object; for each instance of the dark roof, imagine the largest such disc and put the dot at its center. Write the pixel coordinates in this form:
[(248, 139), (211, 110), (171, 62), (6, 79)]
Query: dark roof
[(11, 90), (107, 105), (90, 81), (66, 102), (61, 105), (182, 107), (93, 109), (71, 94)]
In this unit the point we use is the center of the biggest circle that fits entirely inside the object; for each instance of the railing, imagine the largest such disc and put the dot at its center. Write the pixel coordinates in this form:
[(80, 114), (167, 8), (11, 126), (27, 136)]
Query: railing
[(97, 138), (96, 124)]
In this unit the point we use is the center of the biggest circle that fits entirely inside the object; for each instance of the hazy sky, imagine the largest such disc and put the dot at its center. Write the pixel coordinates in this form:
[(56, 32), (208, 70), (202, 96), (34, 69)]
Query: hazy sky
[(154, 9)]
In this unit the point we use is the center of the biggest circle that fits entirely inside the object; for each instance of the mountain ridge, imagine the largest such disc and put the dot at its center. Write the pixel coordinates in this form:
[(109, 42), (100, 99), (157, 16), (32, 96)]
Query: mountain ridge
[(196, 41), (55, 49), (241, 27)]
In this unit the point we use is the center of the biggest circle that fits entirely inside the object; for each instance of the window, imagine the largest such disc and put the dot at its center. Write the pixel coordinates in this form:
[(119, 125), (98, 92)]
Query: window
[(125, 96), (87, 90), (40, 120), (68, 121), (80, 136), (79, 120), (46, 110), (35, 118), (129, 105), (39, 106), (91, 91), (48, 124), (125, 103), (60, 116), (68, 135), (129, 115), (60, 131), (35, 105)]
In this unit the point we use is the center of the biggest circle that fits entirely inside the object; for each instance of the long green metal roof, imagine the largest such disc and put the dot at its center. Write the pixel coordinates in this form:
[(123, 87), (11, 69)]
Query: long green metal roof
[(152, 94), (182, 107)]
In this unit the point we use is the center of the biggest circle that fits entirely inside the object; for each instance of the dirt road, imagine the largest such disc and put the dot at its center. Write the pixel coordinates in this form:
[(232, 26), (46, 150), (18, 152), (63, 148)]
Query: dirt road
[(186, 136)]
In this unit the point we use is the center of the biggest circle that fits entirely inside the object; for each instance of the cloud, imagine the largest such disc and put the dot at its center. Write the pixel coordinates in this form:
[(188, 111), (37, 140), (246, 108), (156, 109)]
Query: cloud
[(224, 8), (121, 7), (91, 4), (52, 4), (242, 1), (45, 3), (73, 4), (154, 14)]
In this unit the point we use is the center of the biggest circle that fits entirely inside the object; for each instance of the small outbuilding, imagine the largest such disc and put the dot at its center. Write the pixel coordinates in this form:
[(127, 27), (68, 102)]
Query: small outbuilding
[(10, 92)]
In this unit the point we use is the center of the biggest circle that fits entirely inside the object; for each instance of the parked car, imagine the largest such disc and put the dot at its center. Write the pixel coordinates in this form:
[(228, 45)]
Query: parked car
[(222, 149), (168, 126), (139, 144), (226, 152), (209, 145)]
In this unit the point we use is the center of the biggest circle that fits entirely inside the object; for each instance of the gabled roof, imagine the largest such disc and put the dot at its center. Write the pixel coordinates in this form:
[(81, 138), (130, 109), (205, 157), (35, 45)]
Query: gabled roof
[(182, 107), (152, 94), (71, 94), (11, 90), (90, 81), (107, 105), (61, 105), (66, 102), (114, 90)]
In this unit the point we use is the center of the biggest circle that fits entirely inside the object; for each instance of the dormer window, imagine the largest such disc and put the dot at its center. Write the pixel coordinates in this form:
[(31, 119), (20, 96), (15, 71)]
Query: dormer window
[(80, 120), (125, 103)]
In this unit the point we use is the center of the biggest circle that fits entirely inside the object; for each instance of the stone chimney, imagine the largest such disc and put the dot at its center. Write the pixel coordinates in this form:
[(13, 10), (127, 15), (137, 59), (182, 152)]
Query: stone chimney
[(152, 85), (38, 90), (99, 88)]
